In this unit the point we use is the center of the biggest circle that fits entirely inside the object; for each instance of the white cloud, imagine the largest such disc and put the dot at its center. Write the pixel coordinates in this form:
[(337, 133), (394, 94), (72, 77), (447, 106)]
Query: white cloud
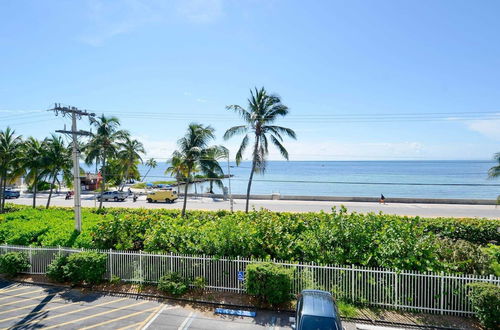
[(488, 128)]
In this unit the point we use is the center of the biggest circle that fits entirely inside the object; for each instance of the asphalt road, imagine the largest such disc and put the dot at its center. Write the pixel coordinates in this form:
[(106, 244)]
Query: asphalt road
[(24, 306), (423, 210)]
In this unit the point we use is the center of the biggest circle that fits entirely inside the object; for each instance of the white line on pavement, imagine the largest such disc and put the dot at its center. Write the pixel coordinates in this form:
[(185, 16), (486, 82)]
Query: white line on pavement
[(155, 316), (184, 325)]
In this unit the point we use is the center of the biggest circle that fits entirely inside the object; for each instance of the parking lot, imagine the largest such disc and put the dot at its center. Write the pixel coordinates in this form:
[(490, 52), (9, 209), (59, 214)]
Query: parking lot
[(24, 306)]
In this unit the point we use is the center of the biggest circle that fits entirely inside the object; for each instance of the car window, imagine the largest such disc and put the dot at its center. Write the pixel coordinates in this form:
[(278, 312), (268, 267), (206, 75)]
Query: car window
[(310, 322)]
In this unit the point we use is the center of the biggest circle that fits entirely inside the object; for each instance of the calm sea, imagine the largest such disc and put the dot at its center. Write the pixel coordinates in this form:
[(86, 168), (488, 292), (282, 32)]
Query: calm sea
[(426, 179)]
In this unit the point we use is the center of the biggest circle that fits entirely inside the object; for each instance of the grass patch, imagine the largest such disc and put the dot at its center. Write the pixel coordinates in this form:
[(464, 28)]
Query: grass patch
[(347, 310)]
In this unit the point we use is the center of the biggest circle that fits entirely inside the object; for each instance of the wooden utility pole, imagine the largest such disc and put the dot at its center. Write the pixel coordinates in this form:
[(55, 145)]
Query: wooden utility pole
[(75, 114)]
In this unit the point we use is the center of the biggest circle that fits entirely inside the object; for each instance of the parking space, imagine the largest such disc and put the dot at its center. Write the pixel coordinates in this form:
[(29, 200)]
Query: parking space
[(24, 306)]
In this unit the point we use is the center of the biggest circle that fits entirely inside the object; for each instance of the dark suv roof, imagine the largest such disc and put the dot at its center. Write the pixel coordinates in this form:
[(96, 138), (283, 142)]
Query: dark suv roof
[(318, 303)]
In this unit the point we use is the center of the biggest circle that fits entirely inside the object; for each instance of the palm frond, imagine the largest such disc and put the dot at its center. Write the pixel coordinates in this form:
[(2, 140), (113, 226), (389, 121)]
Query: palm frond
[(235, 130), (241, 149), (280, 147)]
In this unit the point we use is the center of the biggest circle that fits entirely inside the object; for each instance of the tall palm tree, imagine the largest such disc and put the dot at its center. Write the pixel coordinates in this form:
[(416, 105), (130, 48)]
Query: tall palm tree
[(150, 163), (193, 149), (262, 111), (57, 161), (130, 156), (32, 162), (103, 144), (177, 168), (10, 150)]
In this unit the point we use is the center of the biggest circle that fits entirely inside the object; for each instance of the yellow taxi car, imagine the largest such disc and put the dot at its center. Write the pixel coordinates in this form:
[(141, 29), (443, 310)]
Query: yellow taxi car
[(168, 196)]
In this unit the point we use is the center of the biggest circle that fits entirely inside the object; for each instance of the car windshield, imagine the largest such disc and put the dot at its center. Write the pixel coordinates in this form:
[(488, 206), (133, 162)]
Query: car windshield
[(318, 323)]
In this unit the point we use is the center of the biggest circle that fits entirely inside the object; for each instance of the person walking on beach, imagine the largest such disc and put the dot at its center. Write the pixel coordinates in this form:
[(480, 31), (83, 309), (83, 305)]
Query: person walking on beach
[(382, 199)]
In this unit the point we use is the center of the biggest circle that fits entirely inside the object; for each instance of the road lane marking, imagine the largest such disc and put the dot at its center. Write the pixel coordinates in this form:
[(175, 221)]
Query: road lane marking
[(21, 294), (72, 312), (119, 318), (153, 316), (27, 299), (184, 323), (94, 315)]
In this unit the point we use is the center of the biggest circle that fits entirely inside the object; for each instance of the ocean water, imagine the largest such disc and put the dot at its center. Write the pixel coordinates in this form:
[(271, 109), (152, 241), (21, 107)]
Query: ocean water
[(425, 179)]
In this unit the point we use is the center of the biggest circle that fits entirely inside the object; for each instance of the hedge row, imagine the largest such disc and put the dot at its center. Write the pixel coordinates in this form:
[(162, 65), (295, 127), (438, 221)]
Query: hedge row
[(406, 243)]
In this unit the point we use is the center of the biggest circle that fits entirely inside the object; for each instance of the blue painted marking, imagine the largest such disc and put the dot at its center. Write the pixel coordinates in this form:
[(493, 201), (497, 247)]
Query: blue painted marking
[(241, 276), (235, 312)]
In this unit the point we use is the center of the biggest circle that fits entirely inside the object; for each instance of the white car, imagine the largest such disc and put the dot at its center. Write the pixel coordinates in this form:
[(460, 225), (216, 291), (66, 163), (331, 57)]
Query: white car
[(113, 196)]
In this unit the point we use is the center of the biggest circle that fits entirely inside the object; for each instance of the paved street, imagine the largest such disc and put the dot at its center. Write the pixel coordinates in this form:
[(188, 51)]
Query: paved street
[(24, 306), (423, 210)]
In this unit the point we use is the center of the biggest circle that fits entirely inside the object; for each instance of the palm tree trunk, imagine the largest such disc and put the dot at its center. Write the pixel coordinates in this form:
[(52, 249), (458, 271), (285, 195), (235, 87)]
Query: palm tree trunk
[(125, 180), (2, 193), (145, 175), (35, 184), (3, 187), (254, 164), (186, 191), (54, 175), (103, 182)]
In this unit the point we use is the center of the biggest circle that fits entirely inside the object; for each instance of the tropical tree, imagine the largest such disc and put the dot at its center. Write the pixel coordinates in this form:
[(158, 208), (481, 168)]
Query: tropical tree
[(212, 170), (32, 163), (259, 117), (150, 163), (192, 152), (494, 172), (177, 168), (130, 156), (57, 160), (103, 144), (10, 150)]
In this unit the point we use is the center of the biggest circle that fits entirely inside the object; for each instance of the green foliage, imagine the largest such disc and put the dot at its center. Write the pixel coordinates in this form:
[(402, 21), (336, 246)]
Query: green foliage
[(56, 271), (269, 282), (88, 267), (477, 231), (164, 182), (115, 279), (347, 310), (42, 186), (13, 263), (485, 299), (173, 283), (339, 237), (494, 251), (199, 283), (140, 185)]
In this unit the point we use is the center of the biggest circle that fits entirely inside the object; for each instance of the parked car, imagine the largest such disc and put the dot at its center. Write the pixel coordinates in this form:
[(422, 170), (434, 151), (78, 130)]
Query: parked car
[(168, 196), (9, 193), (316, 310), (113, 196)]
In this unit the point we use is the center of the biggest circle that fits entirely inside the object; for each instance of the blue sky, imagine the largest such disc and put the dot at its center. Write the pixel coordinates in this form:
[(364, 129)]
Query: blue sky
[(159, 65)]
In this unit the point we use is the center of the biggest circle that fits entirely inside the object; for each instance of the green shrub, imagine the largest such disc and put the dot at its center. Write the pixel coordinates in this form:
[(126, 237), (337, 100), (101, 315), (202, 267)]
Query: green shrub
[(115, 279), (464, 257), (270, 282), (477, 231), (485, 299), (173, 283), (87, 267), (13, 263), (56, 271), (199, 283)]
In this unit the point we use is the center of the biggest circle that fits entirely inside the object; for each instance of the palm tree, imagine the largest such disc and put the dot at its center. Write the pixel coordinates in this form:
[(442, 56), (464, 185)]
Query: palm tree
[(494, 172), (177, 168), (32, 163), (193, 149), (130, 156), (10, 149), (150, 163), (212, 170), (57, 160), (103, 144), (263, 110)]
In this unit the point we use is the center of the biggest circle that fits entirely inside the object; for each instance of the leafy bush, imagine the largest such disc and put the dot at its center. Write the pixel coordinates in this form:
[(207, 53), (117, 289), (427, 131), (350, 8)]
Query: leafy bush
[(339, 237), (485, 299), (199, 283), (269, 282), (56, 271), (88, 267), (115, 279), (13, 263), (173, 283)]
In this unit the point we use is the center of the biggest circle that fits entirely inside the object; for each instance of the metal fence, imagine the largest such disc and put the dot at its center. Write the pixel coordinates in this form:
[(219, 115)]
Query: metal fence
[(408, 290)]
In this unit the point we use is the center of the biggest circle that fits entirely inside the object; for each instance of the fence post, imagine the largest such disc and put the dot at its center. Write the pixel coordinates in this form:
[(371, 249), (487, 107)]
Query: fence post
[(110, 264), (31, 260), (352, 283), (396, 290), (442, 294), (140, 267), (171, 263), (237, 271), (59, 250)]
